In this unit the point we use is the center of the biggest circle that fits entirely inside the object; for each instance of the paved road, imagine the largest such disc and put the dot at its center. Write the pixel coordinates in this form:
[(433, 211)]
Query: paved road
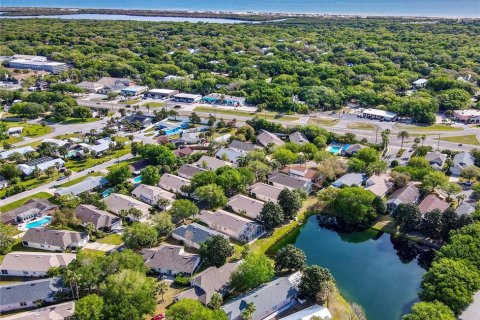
[(46, 187)]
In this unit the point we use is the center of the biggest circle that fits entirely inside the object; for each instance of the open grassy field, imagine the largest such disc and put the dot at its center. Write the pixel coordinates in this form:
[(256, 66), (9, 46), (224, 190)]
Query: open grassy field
[(21, 202), (155, 104), (29, 130), (267, 115), (468, 139), (433, 127), (323, 122), (361, 126)]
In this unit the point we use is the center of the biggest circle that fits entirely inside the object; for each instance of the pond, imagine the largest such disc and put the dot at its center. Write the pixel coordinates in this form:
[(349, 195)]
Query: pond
[(375, 270)]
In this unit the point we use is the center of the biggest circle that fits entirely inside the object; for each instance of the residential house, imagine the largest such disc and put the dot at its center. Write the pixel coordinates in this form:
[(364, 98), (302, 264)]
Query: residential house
[(460, 162), (183, 152), (351, 149), (121, 204), (269, 300), (404, 195), (54, 240), (62, 311), (301, 172), (313, 312), (33, 264), (29, 294), (210, 163), (379, 184), (41, 164), (144, 121), (190, 138), (22, 150), (171, 260), (349, 180), (464, 209), (33, 208), (187, 171), (436, 159), (243, 147), (298, 138), (194, 234), (89, 184), (246, 206), (432, 202), (137, 167), (234, 226), (174, 183), (101, 219), (265, 192), (228, 154), (209, 281), (154, 196), (267, 139), (282, 181), (419, 83), (3, 182), (168, 127)]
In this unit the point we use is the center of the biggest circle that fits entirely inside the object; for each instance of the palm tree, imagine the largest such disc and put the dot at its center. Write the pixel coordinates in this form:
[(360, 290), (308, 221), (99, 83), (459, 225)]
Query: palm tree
[(148, 108), (162, 288), (248, 312), (385, 139), (403, 135), (67, 173), (423, 137)]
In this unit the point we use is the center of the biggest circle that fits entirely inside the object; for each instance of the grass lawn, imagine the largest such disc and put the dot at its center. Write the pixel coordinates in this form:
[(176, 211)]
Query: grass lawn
[(168, 297), (34, 182), (361, 126), (323, 122), (155, 104), (21, 202), (433, 127), (93, 253), (468, 139), (78, 180), (149, 130), (113, 238), (285, 234), (268, 115), (132, 101), (77, 120), (29, 130), (77, 164)]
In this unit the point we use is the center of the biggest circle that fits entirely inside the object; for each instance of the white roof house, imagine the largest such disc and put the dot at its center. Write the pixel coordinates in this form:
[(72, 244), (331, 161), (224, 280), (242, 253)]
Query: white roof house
[(21, 150), (310, 312), (27, 169)]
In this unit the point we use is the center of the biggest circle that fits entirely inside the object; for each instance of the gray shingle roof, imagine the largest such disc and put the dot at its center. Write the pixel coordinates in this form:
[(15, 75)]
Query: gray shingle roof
[(251, 207), (56, 312), (244, 146), (188, 171), (349, 179), (39, 205), (60, 238), (35, 261), (264, 298), (298, 137), (171, 258), (266, 138), (465, 209), (287, 181), (212, 163), (263, 189), (30, 291), (230, 154), (100, 218), (88, 184), (407, 194), (196, 233)]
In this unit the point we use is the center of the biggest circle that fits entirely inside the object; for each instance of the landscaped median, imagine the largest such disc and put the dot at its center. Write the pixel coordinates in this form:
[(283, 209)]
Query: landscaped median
[(264, 114)]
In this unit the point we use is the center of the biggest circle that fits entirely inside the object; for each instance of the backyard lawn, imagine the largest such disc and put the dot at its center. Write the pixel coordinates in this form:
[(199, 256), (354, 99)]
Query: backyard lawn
[(114, 239), (468, 139), (80, 164)]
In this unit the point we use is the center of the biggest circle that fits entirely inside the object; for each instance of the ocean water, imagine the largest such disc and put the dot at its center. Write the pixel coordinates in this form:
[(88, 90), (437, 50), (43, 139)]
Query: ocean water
[(426, 8)]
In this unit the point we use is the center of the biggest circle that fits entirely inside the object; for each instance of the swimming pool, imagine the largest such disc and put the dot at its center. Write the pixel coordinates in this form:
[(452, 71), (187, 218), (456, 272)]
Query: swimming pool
[(107, 192), (337, 148), (137, 179), (38, 223)]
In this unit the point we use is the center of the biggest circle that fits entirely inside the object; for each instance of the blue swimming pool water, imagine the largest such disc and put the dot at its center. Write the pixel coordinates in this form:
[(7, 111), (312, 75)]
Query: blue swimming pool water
[(137, 179), (107, 192), (334, 149), (39, 222)]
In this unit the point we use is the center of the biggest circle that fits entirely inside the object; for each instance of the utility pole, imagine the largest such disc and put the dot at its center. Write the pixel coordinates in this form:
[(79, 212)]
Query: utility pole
[(376, 134), (438, 145)]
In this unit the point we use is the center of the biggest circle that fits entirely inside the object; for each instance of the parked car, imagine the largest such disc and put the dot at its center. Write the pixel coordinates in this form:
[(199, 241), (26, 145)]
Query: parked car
[(161, 316), (61, 178)]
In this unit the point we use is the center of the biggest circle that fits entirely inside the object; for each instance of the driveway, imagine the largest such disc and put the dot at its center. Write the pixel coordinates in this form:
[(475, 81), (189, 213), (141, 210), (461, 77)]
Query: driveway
[(100, 246)]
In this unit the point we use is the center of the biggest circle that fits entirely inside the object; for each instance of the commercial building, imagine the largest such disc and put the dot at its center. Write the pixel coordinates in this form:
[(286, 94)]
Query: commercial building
[(378, 114), (49, 66), (223, 99), (187, 98), (133, 91), (467, 116), (160, 93)]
